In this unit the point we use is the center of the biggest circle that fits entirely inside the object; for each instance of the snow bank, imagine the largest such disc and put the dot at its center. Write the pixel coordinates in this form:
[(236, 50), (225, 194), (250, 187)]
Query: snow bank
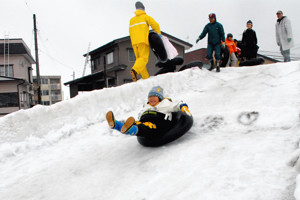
[(243, 145)]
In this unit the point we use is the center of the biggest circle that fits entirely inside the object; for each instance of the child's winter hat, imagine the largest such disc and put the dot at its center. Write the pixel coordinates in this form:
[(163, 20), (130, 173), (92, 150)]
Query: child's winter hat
[(139, 5), (157, 91), (249, 22), (229, 35)]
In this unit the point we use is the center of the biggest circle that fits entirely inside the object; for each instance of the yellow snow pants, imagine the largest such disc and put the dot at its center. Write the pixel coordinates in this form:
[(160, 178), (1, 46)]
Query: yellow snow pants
[(141, 52)]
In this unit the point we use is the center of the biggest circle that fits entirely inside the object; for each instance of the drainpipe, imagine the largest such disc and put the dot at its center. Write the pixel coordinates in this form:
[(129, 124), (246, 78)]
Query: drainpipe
[(116, 76), (104, 64), (23, 81)]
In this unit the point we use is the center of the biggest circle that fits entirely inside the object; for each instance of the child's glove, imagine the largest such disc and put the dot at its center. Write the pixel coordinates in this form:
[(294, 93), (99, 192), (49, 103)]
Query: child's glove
[(185, 109)]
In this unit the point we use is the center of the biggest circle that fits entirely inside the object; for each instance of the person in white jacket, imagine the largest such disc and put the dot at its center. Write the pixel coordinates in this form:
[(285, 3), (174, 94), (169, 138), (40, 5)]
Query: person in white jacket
[(155, 117), (284, 37)]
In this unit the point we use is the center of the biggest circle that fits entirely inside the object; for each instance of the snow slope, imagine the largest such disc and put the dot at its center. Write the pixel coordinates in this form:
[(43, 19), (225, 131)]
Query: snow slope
[(244, 143)]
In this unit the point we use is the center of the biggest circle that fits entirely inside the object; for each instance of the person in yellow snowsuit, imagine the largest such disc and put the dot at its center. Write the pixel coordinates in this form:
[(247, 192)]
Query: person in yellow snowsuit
[(139, 32)]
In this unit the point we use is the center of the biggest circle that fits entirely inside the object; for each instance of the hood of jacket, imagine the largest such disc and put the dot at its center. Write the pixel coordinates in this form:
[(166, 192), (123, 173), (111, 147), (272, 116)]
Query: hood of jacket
[(279, 20), (139, 12)]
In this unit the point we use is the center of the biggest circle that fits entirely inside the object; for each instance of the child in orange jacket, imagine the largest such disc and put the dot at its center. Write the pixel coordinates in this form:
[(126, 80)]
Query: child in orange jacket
[(232, 50)]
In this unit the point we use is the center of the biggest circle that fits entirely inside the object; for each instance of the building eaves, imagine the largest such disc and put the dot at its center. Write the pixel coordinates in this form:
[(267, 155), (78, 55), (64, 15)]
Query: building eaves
[(186, 45), (177, 40), (84, 78), (6, 78), (17, 47), (269, 58), (108, 45)]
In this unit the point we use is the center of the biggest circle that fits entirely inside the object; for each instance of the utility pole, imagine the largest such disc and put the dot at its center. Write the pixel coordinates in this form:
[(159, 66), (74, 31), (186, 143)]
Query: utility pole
[(86, 59), (38, 78)]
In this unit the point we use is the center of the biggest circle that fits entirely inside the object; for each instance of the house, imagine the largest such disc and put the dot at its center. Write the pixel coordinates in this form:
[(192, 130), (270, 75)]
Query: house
[(268, 59), (197, 55), (16, 86), (51, 91), (200, 55), (112, 62)]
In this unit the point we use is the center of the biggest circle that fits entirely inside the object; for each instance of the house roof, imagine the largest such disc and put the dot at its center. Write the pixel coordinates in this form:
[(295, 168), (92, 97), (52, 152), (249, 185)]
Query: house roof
[(199, 54), (268, 58), (17, 47), (100, 73), (176, 40), (6, 78), (186, 45)]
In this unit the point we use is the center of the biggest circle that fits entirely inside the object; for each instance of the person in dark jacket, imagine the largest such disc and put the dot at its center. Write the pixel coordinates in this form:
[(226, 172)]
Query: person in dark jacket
[(249, 41), (216, 37)]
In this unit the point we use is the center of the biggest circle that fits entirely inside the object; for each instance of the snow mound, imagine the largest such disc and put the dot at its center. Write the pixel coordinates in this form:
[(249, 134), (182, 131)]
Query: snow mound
[(244, 143)]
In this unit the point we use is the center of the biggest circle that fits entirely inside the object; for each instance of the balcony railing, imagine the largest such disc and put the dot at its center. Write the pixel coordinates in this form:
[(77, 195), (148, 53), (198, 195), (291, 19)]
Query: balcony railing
[(55, 87), (55, 97)]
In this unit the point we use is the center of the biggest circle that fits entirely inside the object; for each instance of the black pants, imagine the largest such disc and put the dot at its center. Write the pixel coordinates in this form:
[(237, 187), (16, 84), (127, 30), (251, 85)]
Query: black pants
[(250, 52)]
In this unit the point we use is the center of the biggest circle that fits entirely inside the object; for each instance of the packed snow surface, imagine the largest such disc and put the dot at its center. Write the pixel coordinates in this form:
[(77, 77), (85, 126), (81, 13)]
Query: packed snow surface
[(244, 144)]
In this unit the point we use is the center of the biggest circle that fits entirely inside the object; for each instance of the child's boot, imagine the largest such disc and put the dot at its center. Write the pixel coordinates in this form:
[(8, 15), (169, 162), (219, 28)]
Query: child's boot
[(129, 128), (112, 123)]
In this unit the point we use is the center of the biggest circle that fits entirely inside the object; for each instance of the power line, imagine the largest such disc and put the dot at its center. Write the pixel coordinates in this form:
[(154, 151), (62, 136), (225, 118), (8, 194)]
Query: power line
[(59, 62), (46, 51), (25, 1)]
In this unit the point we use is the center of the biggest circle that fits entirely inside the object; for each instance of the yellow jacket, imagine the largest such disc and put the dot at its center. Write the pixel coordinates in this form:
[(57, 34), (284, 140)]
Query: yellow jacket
[(139, 27)]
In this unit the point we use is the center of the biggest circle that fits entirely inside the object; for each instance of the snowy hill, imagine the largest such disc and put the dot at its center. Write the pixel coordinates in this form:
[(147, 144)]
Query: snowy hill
[(244, 143)]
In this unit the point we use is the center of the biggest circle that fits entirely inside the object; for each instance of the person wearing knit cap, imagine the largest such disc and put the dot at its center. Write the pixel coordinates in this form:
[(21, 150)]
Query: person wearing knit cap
[(155, 117), (284, 36), (139, 5), (216, 37), (249, 41), (139, 32), (229, 42)]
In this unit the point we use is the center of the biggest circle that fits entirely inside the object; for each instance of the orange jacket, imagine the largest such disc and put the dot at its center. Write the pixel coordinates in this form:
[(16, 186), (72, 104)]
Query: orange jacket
[(139, 27), (231, 46)]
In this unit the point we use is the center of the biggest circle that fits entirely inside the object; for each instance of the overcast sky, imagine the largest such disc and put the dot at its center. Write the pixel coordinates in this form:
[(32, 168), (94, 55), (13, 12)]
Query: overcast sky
[(66, 27)]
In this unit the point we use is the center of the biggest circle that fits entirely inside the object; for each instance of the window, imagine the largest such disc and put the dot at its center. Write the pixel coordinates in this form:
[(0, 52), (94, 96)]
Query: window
[(44, 81), (45, 92), (9, 100), (23, 99), (31, 100), (111, 82), (55, 96), (54, 81), (127, 80), (6, 70), (95, 63), (110, 58), (47, 103), (23, 96), (131, 55)]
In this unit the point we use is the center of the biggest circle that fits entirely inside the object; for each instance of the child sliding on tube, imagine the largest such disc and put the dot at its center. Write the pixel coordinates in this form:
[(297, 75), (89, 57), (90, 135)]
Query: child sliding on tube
[(155, 118)]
